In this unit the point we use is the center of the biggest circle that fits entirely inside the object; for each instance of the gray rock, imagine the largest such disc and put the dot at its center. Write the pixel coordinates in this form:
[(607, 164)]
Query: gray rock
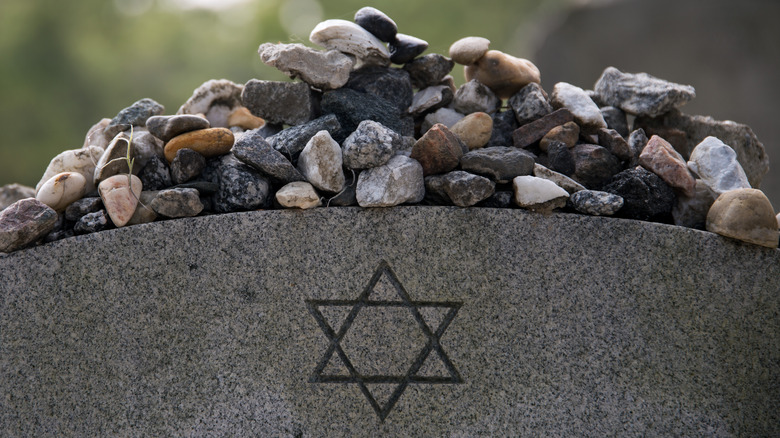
[(113, 161), (504, 123), (616, 119), (145, 146), (646, 196), (24, 222), (352, 107), (615, 144), (391, 84), (460, 188), (641, 94), (430, 99), (692, 211), (499, 163), (203, 187), (429, 70), (376, 22), (155, 175), (473, 97), (216, 99), (175, 203), (532, 132), (322, 70), (321, 163), (371, 145), (291, 141), (289, 103), (134, 115), (562, 180), (83, 206), (594, 164), (346, 36), (586, 113), (255, 151), (59, 234), (637, 141), (446, 116), (404, 48), (11, 193), (186, 165), (167, 127), (530, 103), (92, 223), (596, 203), (716, 164), (240, 187), (560, 158), (397, 182)]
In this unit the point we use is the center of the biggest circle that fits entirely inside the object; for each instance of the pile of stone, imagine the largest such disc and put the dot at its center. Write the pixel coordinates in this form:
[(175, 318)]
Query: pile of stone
[(356, 131)]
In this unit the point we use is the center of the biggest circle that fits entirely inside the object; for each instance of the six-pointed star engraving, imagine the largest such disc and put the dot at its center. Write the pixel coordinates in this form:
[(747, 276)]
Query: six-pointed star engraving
[(432, 350)]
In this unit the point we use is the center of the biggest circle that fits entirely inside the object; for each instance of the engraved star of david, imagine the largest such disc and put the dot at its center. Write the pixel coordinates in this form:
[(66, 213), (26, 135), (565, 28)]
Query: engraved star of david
[(431, 353)]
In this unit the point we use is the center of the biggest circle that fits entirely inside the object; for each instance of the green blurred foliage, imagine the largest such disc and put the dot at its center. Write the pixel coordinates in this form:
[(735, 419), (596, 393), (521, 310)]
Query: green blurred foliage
[(64, 65)]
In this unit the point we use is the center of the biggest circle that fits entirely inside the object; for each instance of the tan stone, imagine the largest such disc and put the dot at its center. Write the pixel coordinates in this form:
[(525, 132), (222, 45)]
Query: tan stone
[(568, 133), (659, 157), (474, 130), (502, 73), (468, 50), (210, 142), (242, 118), (744, 214), (62, 190), (82, 161), (118, 199), (298, 194)]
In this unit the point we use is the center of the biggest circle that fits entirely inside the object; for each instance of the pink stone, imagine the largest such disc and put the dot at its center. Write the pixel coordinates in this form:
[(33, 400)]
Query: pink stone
[(660, 158), (118, 199)]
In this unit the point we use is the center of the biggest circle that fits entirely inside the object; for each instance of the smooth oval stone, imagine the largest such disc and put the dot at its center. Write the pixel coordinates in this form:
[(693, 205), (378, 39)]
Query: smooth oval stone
[(118, 199), (348, 37), (404, 48), (61, 190), (744, 214), (568, 133), (82, 161), (474, 130), (167, 127), (502, 73), (298, 194), (376, 22), (468, 50), (210, 142)]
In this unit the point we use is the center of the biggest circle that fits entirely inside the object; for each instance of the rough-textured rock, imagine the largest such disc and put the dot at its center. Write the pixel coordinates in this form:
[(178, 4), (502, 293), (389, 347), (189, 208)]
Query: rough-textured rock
[(615, 144), (323, 70), (143, 212), (186, 165), (504, 124), (156, 175), (659, 157), (175, 203), (532, 132), (694, 129), (568, 134), (430, 99), (288, 103), (376, 22), (145, 146), (502, 73), (216, 99), (291, 141), (460, 188), (530, 103), (82, 161), (397, 182), (391, 84), (468, 50), (596, 203), (240, 187), (646, 196), (474, 96), (95, 136), (586, 113), (11, 193), (24, 222), (61, 190), (120, 195), (348, 37), (371, 145), (594, 165), (692, 211), (499, 163), (167, 127), (744, 214), (255, 151), (560, 158), (404, 48), (134, 115), (352, 107), (438, 150), (445, 116), (298, 194), (242, 118), (320, 163), (211, 142), (474, 130), (428, 70), (83, 206), (641, 94), (616, 119), (499, 199), (538, 194), (562, 180), (716, 164), (92, 223), (637, 141)]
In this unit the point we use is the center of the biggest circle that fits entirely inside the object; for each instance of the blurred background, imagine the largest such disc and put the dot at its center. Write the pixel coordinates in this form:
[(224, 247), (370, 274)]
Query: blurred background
[(64, 65)]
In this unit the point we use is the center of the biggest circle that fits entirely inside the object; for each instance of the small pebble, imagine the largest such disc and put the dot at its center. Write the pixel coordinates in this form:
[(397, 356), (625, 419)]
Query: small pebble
[(210, 142), (474, 130), (586, 113), (744, 214), (474, 97), (716, 164), (298, 194), (405, 48), (502, 73), (175, 203), (660, 158), (429, 70), (348, 37), (61, 190), (459, 188), (376, 22), (438, 150), (568, 134), (92, 223), (24, 222), (469, 50), (538, 194), (215, 100), (321, 163), (499, 163), (530, 103), (596, 203), (186, 165), (167, 127), (118, 199), (398, 182)]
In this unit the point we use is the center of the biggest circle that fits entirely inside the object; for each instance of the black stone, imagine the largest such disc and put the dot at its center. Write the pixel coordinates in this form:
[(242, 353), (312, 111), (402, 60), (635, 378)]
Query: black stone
[(289, 103), (429, 70), (391, 84), (637, 141), (404, 48), (352, 107), (58, 235), (376, 22), (92, 223), (155, 175), (186, 165), (78, 209), (167, 127), (502, 199), (241, 187), (499, 163), (504, 124), (134, 115), (646, 196), (616, 119), (459, 188), (348, 195), (254, 150), (560, 159), (594, 164), (291, 141)]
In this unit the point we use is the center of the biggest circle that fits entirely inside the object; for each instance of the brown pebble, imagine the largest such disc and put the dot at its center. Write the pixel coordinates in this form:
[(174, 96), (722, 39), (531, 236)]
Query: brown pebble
[(474, 130), (744, 214), (210, 142), (568, 133), (532, 132), (438, 150), (502, 73), (242, 118)]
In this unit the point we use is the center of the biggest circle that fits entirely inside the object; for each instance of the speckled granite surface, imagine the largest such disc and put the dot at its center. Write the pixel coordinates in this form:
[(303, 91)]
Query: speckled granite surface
[(391, 322)]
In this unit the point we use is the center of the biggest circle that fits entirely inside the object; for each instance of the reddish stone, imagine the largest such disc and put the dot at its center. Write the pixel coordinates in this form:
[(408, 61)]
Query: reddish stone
[(659, 157), (532, 132), (438, 151), (24, 222)]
